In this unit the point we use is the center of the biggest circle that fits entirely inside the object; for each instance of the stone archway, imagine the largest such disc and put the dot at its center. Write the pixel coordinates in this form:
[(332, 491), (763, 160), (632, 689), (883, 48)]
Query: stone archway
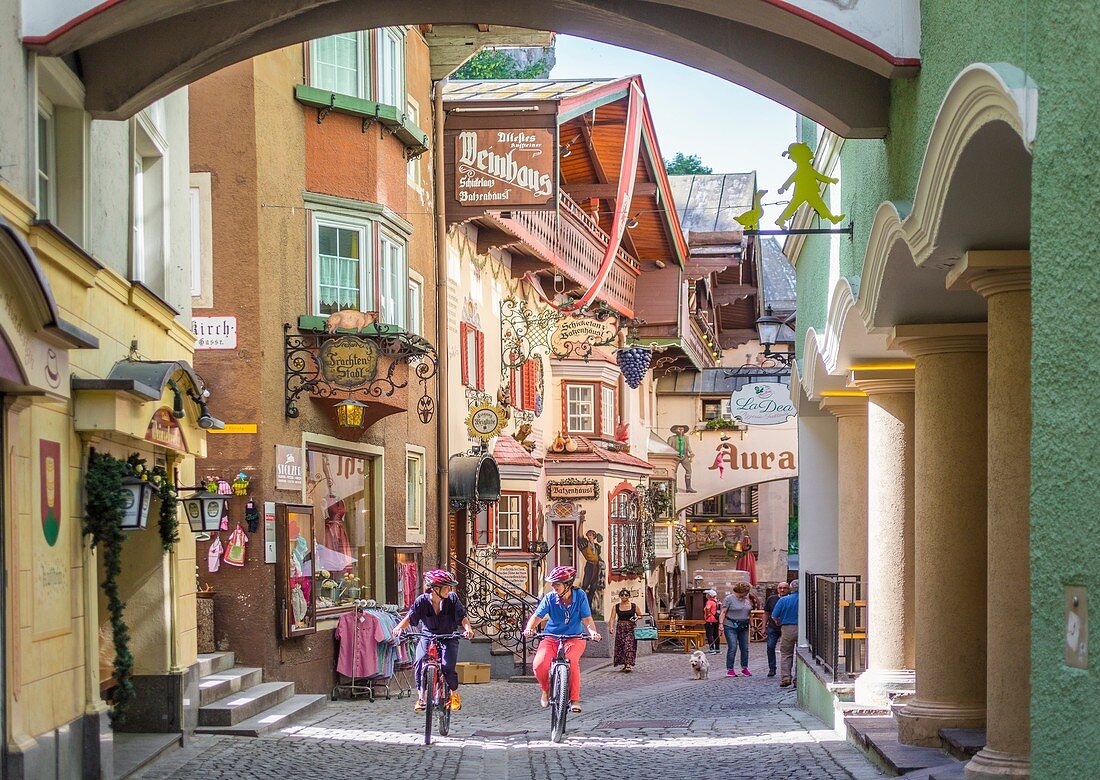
[(834, 69)]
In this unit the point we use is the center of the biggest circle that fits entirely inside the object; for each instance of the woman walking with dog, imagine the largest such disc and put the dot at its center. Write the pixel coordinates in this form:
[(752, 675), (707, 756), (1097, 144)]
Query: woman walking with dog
[(735, 622), (710, 621), (622, 628)]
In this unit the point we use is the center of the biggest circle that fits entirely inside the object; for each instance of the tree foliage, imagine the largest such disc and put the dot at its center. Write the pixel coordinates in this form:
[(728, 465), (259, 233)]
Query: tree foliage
[(496, 64), (685, 164)]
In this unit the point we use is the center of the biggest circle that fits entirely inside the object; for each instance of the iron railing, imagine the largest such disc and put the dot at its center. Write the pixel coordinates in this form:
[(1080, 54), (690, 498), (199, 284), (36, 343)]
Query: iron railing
[(836, 623), (498, 608)]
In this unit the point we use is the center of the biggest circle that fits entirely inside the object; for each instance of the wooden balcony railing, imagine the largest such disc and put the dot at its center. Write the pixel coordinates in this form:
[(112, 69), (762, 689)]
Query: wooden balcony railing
[(574, 244)]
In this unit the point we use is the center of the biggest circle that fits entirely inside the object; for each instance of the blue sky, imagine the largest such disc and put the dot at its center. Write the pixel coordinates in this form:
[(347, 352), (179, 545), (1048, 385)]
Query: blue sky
[(731, 128)]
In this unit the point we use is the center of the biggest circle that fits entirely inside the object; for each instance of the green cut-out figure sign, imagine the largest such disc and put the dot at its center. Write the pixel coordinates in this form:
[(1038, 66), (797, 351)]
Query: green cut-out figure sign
[(750, 220), (806, 180)]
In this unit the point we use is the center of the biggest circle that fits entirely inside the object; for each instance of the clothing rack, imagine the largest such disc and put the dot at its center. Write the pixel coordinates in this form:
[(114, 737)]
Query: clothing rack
[(400, 683)]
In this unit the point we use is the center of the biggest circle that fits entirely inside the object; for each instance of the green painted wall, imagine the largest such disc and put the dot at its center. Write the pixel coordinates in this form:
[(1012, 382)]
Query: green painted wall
[(1055, 42)]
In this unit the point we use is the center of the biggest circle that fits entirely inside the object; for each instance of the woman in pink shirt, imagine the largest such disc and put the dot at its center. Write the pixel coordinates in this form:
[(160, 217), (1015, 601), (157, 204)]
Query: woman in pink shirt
[(710, 618)]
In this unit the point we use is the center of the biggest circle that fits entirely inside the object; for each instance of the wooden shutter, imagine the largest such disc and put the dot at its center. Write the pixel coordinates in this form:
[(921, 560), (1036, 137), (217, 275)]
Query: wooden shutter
[(480, 359), (462, 329), (527, 376)]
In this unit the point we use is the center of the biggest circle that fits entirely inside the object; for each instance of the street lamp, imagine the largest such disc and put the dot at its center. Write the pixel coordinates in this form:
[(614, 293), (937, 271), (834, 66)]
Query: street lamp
[(768, 327), (138, 497), (350, 413), (204, 511)]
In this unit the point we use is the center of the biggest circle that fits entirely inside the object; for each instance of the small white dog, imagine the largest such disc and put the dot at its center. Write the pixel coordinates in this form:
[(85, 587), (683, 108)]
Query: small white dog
[(699, 664)]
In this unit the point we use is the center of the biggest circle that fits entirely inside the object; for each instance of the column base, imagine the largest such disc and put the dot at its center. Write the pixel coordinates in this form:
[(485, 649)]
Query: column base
[(991, 764), (919, 722), (879, 687)]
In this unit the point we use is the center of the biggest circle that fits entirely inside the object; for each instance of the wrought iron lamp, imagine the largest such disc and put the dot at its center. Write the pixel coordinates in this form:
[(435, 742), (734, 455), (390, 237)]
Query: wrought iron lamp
[(350, 413), (768, 327), (204, 510), (138, 497)]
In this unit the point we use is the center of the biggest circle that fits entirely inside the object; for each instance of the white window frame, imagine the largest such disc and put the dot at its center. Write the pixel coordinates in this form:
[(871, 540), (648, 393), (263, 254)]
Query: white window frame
[(366, 267), (416, 304), (510, 506), (137, 254), (391, 76), (202, 254), (607, 411), (412, 109), (47, 207), (579, 416), (558, 527), (151, 195), (363, 65), (415, 519), (393, 288)]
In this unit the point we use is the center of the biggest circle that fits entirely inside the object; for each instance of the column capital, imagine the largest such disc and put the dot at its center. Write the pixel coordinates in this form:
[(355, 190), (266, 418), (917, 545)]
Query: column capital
[(991, 272), (939, 339), (845, 405), (879, 381)]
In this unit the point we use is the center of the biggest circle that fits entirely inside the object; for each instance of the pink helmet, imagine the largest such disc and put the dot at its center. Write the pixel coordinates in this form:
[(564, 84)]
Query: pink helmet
[(562, 574), (438, 577)]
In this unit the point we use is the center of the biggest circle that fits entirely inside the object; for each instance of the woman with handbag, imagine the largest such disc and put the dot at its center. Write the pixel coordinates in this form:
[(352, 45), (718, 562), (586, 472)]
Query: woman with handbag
[(734, 619), (621, 627)]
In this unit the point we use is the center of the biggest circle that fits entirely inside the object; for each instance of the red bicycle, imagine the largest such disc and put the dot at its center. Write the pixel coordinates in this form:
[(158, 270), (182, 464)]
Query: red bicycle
[(437, 694)]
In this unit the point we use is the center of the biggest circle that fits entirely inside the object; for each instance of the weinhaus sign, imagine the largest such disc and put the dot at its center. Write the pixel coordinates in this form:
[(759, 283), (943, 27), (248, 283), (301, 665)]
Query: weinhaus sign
[(495, 168)]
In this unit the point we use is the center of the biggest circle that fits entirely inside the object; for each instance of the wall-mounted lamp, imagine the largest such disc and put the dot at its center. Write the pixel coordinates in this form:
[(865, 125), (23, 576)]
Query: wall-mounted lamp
[(177, 401), (768, 327), (206, 420), (350, 413), (204, 510), (138, 497)]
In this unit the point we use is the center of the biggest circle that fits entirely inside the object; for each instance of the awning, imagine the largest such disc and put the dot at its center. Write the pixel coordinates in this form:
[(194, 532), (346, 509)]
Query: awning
[(143, 379), (473, 480)]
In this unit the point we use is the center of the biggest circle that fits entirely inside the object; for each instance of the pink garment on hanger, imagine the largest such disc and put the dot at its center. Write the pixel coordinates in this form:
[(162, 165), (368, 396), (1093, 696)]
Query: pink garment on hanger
[(214, 555), (360, 634)]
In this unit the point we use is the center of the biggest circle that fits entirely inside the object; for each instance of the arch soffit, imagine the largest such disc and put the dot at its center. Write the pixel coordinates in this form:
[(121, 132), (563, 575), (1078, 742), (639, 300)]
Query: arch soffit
[(685, 500), (904, 235)]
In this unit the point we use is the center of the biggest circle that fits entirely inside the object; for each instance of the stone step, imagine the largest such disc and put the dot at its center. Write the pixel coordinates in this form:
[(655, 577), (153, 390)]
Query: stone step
[(212, 663), (217, 686), (280, 716), (878, 737), (239, 707), (963, 744)]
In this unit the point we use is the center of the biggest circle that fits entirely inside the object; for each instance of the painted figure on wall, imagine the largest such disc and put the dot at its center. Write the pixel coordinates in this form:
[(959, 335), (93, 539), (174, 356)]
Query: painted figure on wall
[(724, 452), (679, 442), (590, 546)]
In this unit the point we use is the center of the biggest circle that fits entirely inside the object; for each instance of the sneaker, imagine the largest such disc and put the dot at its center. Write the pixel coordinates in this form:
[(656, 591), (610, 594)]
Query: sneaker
[(731, 673), (419, 707), (456, 701), (771, 673), (745, 672)]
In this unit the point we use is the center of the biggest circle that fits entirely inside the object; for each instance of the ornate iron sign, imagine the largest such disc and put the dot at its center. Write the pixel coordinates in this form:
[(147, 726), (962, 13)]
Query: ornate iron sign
[(328, 366), (576, 335)]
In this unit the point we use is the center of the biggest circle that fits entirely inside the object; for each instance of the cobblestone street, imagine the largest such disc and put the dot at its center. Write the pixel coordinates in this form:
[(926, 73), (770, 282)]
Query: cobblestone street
[(750, 726)]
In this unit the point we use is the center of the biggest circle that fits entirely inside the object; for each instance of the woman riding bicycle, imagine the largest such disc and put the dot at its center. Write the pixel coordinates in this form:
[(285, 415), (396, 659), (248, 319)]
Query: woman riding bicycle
[(439, 611), (568, 610)]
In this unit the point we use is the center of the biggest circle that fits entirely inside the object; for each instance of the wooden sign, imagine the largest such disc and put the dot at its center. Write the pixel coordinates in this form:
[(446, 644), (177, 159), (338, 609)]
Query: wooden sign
[(573, 490), (165, 430), (576, 334), (504, 168), (349, 362)]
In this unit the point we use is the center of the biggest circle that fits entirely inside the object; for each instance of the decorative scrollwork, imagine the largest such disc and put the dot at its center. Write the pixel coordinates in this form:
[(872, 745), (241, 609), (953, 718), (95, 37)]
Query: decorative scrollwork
[(497, 608), (665, 365), (303, 369)]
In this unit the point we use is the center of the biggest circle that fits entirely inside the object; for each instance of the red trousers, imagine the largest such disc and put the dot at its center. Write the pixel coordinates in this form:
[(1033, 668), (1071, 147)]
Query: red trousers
[(548, 649)]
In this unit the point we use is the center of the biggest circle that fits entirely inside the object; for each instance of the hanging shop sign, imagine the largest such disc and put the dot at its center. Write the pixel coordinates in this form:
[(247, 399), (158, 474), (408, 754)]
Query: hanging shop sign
[(573, 490), (485, 421), (164, 430), (214, 332), (349, 361), (762, 403), (288, 468), (575, 335), (519, 574), (505, 167)]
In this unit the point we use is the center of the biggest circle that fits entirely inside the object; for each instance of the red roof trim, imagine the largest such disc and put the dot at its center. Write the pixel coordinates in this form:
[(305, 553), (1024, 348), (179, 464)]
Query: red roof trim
[(848, 35), (41, 40)]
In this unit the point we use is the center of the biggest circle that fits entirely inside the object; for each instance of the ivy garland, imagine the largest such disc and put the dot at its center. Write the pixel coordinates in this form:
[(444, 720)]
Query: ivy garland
[(104, 509)]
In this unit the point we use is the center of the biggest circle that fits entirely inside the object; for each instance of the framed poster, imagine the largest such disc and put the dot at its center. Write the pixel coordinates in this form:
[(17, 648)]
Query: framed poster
[(295, 591)]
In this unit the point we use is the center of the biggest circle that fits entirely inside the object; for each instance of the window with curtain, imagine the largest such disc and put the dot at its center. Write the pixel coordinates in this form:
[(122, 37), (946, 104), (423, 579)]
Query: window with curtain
[(626, 531), (341, 267), (394, 273), (340, 64)]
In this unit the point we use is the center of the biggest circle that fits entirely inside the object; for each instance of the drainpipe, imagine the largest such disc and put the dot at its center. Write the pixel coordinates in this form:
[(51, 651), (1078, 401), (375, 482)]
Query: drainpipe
[(441, 323)]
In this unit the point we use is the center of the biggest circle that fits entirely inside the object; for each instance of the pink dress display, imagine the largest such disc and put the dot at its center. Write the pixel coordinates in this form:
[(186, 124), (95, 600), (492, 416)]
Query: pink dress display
[(747, 562)]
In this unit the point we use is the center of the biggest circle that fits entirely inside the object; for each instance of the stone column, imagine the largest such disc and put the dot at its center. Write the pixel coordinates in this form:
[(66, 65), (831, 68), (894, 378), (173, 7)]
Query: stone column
[(949, 530), (1004, 280), (851, 433), (891, 634)]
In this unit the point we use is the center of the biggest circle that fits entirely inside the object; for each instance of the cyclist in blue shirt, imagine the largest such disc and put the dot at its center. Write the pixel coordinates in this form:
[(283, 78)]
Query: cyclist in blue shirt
[(568, 613)]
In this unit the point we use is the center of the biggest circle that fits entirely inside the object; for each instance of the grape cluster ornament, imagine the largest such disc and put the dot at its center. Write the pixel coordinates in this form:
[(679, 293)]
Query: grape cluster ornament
[(633, 362)]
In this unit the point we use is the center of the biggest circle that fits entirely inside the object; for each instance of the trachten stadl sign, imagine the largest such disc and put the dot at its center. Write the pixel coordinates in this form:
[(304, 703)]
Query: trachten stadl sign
[(762, 403), (349, 361), (573, 490), (504, 167)]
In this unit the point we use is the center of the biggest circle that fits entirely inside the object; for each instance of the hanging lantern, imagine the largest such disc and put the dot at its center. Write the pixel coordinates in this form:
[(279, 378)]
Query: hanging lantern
[(204, 511), (138, 495), (350, 413)]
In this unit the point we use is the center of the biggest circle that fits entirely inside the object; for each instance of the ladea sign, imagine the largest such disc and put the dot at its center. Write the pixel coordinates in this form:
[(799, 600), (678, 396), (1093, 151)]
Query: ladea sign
[(504, 167), (762, 403)]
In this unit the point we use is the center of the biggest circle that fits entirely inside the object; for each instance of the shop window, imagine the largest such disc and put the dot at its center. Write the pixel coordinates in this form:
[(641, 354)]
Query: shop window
[(404, 570), (416, 306), (340, 486), (341, 263), (393, 290), (626, 531), (509, 523), (296, 585), (391, 73), (340, 63), (414, 493), (473, 356)]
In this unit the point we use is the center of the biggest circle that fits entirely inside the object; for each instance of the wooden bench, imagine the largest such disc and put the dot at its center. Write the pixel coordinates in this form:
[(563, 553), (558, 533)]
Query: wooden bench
[(689, 634)]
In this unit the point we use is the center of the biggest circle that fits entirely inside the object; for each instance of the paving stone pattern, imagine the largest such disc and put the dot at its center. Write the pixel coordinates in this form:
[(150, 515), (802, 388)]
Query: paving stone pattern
[(736, 729)]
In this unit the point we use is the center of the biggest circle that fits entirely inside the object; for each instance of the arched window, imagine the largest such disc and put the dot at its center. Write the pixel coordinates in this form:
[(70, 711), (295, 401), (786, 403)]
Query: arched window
[(626, 530)]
